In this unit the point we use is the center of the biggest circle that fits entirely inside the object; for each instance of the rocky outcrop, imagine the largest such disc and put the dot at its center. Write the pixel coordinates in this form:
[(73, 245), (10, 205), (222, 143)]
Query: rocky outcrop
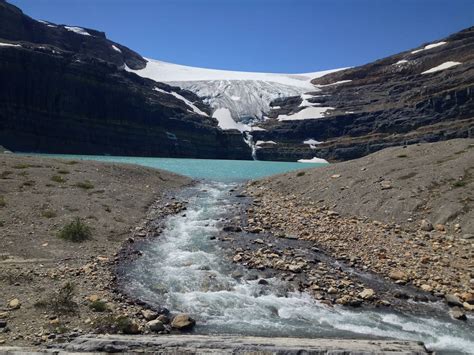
[(68, 92), (390, 102)]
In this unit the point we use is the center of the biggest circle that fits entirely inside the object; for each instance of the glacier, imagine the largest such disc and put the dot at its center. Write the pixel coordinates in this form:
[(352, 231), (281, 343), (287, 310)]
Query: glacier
[(239, 100)]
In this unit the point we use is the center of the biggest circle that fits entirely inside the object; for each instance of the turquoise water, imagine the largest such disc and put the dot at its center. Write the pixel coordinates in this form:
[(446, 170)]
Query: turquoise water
[(210, 169)]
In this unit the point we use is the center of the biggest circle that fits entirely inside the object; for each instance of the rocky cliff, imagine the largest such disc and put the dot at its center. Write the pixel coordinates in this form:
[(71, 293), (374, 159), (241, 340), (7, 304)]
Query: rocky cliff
[(422, 95), (66, 92)]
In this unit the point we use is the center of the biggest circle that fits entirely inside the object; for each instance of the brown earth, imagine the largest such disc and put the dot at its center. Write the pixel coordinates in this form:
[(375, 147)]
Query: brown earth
[(368, 214), (38, 196)]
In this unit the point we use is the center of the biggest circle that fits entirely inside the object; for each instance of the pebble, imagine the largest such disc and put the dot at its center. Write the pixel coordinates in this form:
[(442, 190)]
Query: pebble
[(14, 304)]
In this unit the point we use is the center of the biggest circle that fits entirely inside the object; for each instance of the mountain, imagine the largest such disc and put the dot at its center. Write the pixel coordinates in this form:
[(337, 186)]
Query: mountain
[(67, 91), (72, 90), (421, 95)]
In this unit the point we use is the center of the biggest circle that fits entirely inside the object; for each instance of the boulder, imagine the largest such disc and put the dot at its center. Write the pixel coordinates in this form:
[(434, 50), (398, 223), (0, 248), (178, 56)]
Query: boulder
[(14, 303), (398, 275), (183, 321), (367, 294), (149, 315), (457, 313), (453, 300), (426, 225), (155, 326)]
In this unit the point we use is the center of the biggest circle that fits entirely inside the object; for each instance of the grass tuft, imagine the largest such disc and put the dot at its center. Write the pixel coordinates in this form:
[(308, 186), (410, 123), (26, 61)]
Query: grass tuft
[(57, 178), (86, 185), (75, 231)]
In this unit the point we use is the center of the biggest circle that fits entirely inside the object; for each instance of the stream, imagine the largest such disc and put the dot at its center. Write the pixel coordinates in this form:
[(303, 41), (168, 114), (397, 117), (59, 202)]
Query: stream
[(185, 270)]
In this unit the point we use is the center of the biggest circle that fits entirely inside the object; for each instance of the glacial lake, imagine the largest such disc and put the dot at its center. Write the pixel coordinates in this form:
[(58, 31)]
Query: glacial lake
[(209, 169)]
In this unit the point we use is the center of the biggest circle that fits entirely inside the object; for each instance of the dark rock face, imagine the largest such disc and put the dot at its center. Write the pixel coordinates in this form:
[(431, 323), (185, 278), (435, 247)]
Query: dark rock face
[(385, 103), (67, 93)]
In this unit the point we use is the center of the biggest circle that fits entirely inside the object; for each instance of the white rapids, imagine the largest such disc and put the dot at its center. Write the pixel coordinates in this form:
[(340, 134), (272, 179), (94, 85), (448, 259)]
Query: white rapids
[(185, 271)]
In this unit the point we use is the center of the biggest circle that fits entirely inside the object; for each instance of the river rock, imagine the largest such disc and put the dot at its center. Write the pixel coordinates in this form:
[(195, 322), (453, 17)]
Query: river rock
[(14, 303), (453, 300), (163, 319), (426, 225), (155, 326), (457, 313), (149, 315), (426, 288), (367, 294), (398, 275), (468, 297), (468, 307), (183, 321)]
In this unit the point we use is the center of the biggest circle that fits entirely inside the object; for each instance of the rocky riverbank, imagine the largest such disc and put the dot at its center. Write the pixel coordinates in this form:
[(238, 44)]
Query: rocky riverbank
[(54, 289), (402, 216)]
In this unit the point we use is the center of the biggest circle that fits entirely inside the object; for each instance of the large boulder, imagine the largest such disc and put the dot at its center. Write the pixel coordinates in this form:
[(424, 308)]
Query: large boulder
[(183, 321)]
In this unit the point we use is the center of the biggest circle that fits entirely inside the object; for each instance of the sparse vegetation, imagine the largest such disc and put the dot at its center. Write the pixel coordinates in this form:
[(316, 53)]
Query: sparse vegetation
[(48, 214), (62, 301), (5, 174), (28, 183), (75, 231), (2, 201), (71, 162), (459, 183), (113, 325), (98, 306), (402, 156), (57, 178), (301, 173), (63, 171), (86, 185)]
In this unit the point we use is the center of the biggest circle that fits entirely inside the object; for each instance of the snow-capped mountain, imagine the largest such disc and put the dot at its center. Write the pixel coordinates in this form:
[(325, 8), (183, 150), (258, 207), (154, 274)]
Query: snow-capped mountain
[(238, 99)]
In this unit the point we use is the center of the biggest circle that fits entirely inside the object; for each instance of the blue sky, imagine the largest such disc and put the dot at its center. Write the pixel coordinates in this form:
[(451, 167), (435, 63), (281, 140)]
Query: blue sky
[(289, 36)]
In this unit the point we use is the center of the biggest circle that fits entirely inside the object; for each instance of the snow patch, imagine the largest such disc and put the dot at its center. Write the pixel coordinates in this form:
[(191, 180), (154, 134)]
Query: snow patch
[(3, 44), (264, 142), (235, 98), (78, 30), (256, 128), (225, 120), (440, 67), (115, 48), (312, 143), (194, 108), (306, 114), (336, 83), (400, 62), (313, 160), (429, 46)]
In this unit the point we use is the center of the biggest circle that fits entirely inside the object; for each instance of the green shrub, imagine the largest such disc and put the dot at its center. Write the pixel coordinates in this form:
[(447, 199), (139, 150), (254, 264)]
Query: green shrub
[(301, 173), (402, 156), (57, 178), (71, 162), (2, 201), (22, 166), (28, 183), (98, 306), (75, 231), (63, 171), (86, 185)]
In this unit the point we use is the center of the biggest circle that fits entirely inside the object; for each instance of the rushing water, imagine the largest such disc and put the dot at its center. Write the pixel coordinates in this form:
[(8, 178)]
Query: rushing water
[(184, 270)]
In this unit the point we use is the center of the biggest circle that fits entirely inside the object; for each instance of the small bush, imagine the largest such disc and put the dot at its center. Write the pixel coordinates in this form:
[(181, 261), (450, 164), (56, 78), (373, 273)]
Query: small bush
[(5, 174), (301, 173), (63, 171), (61, 301), (86, 185), (113, 325), (98, 306), (28, 183), (402, 156), (57, 178), (2, 223), (2, 201), (71, 162), (48, 214), (76, 231), (459, 183)]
